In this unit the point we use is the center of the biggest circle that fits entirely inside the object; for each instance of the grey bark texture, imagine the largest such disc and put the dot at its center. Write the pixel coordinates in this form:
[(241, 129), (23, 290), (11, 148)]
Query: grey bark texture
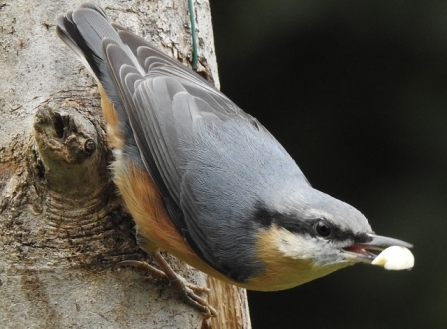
[(62, 222)]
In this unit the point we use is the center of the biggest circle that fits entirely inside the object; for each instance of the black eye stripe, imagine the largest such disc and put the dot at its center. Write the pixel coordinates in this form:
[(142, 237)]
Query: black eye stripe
[(263, 218)]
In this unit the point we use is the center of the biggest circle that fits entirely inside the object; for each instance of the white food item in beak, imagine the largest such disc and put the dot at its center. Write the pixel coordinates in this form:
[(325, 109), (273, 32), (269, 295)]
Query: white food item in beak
[(395, 258)]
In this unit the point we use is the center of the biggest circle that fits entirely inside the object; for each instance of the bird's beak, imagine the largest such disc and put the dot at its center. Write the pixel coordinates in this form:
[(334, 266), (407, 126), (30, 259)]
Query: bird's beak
[(360, 250)]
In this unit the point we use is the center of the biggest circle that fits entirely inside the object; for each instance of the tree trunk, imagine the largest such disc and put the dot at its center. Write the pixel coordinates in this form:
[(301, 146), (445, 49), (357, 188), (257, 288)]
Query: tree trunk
[(62, 222)]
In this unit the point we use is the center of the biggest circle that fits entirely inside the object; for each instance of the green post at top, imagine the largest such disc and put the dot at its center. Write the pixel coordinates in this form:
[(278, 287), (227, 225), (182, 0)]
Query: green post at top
[(193, 35)]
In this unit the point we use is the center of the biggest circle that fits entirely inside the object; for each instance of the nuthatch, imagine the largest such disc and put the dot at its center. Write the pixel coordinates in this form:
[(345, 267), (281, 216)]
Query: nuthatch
[(204, 180)]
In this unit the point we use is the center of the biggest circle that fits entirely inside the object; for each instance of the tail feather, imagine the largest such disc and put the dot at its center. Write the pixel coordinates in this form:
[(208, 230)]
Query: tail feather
[(82, 30), (86, 30)]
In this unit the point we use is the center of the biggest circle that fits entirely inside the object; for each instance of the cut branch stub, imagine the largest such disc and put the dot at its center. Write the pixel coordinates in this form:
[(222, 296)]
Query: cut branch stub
[(70, 162), (70, 150), (82, 213)]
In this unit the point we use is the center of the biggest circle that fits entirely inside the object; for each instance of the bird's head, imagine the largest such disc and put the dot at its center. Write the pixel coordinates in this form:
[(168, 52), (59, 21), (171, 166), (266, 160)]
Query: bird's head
[(311, 234)]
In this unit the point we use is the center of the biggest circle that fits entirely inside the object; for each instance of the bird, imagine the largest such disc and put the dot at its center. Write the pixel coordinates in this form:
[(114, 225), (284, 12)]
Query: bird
[(204, 180)]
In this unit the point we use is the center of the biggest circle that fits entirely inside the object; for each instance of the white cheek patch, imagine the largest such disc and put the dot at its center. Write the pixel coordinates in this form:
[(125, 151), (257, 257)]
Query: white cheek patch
[(395, 258), (293, 247), (300, 247)]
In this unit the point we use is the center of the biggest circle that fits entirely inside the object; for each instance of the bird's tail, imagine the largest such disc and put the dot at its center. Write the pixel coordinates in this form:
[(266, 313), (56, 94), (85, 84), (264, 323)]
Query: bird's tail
[(83, 30)]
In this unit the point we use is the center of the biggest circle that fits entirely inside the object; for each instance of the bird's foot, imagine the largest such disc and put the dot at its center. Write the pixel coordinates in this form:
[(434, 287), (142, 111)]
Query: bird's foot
[(188, 290)]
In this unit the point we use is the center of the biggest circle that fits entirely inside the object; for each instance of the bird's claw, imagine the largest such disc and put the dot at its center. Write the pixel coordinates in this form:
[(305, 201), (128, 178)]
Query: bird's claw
[(189, 291), (190, 294)]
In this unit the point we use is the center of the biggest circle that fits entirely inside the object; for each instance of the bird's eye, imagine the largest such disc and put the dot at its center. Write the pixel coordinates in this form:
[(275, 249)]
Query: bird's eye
[(323, 228)]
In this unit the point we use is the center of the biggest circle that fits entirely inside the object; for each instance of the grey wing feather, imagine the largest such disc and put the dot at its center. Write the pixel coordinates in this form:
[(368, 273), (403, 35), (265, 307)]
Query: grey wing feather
[(211, 161), (156, 63)]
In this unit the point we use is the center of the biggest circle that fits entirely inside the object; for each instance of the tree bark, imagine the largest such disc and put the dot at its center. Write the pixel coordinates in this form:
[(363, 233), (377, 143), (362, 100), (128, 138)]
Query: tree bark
[(62, 223)]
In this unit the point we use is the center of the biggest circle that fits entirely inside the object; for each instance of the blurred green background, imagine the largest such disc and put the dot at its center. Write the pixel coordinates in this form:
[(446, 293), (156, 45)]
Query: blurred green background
[(356, 91)]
